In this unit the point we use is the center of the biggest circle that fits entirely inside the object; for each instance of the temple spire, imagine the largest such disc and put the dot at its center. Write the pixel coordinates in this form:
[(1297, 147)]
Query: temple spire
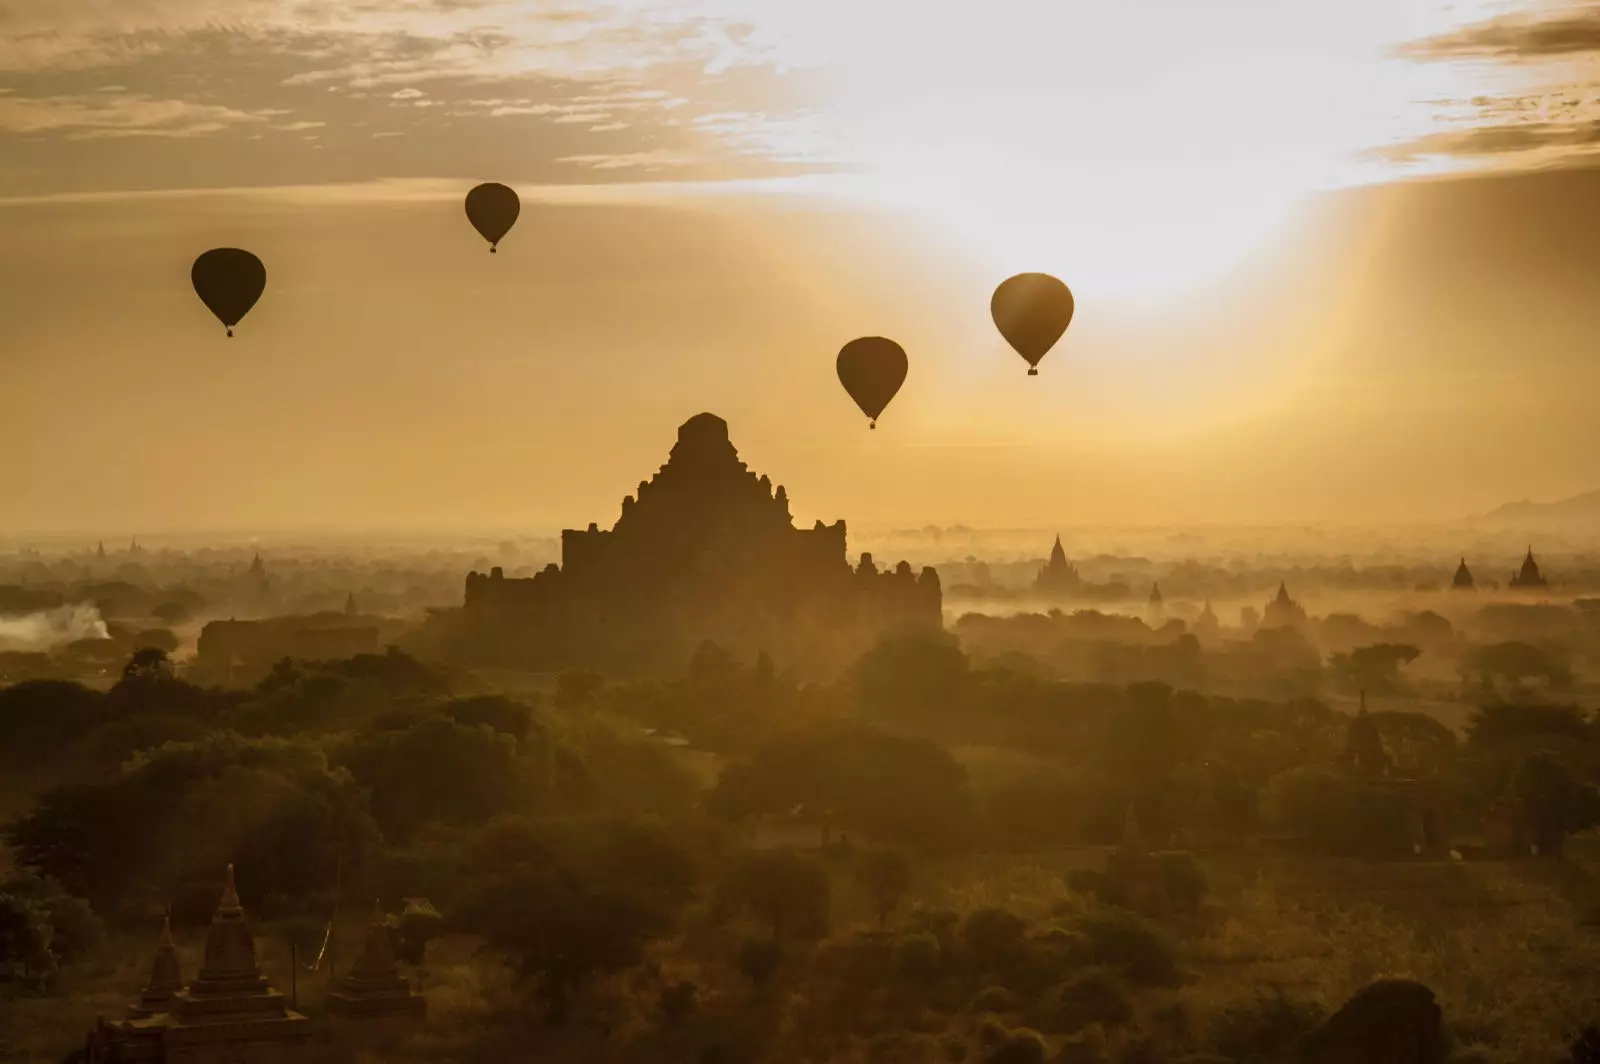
[(230, 895)]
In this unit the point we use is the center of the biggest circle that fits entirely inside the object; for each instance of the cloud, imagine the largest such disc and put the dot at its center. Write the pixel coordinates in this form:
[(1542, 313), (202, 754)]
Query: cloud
[(1572, 32), (91, 116), (1500, 140), (657, 159)]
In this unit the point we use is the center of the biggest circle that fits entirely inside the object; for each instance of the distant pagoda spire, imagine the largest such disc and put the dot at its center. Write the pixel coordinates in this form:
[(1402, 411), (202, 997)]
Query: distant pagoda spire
[(1058, 554), (166, 977), (1463, 578), (350, 605), (1155, 594), (1529, 575)]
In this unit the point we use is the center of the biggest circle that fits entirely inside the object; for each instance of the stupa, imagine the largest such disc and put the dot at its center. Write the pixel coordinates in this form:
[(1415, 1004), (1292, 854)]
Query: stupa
[(166, 978), (1134, 871), (230, 1014), (375, 989)]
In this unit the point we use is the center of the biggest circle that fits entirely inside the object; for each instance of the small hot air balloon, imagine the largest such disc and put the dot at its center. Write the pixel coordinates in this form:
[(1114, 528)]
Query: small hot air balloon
[(228, 281), (1032, 310), (492, 209), (872, 370)]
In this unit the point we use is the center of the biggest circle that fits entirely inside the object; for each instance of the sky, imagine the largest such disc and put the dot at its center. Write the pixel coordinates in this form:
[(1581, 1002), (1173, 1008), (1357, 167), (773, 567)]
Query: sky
[(1307, 289)]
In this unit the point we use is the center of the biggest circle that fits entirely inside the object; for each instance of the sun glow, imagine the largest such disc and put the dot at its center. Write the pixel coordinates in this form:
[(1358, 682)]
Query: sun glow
[(1138, 148)]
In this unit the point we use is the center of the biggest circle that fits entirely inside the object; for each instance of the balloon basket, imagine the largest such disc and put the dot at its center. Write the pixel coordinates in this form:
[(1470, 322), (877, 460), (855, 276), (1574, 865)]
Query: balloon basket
[(1033, 371), (872, 424), (230, 334), (494, 251)]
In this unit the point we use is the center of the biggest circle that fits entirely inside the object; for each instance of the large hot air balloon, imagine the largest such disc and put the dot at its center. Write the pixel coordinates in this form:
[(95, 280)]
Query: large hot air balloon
[(228, 281), (872, 370), (1032, 310), (492, 209)]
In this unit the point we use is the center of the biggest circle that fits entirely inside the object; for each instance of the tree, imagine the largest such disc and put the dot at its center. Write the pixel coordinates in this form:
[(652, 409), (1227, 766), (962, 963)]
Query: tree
[(915, 677), (1515, 662), (435, 771), (148, 665), (886, 874), (788, 890), (570, 901), (24, 937), (1374, 668), (1552, 803), (886, 787)]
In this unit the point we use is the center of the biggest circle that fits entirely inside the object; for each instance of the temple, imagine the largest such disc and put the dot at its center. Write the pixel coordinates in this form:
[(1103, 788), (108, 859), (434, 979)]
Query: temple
[(707, 550), (227, 1015), (1058, 576), (375, 990), (1283, 611), (1529, 576), (1463, 578), (1207, 626), (1155, 610)]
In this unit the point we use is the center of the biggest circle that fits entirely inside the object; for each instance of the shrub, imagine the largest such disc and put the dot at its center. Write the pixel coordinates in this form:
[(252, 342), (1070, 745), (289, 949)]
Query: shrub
[(1183, 881), (1265, 1028), (678, 1001), (994, 999), (1094, 997), (1021, 1046), (919, 957), (993, 937), (1088, 1046), (759, 959), (1129, 942)]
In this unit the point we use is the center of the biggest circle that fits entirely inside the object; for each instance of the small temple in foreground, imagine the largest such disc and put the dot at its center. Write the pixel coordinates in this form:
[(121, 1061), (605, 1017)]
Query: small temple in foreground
[(706, 550), (230, 1014)]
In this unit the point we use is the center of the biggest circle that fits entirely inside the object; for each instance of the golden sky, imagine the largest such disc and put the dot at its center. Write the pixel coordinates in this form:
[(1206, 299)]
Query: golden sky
[(719, 193)]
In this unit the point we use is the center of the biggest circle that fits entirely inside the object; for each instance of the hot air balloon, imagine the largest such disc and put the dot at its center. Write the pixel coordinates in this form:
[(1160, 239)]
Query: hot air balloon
[(872, 370), (492, 209), (228, 281), (1032, 310)]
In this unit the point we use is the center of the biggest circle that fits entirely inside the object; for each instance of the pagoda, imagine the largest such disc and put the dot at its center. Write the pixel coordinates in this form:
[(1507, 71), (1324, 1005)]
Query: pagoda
[(1155, 608), (230, 1013), (1207, 626), (1133, 870), (166, 978), (140, 1037), (1283, 611), (1529, 576), (1058, 576), (375, 989), (1463, 578)]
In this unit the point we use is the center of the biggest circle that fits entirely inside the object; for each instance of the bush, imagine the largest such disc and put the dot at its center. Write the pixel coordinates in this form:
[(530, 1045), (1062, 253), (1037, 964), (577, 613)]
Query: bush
[(1095, 997), (919, 957), (1183, 881), (789, 890), (1129, 942), (993, 938), (1020, 1047), (759, 959), (678, 1002), (1263, 1029), (1088, 1046), (994, 999)]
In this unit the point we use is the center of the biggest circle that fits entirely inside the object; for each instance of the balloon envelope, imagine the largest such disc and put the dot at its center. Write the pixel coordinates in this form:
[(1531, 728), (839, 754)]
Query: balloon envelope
[(492, 209), (872, 370), (228, 281), (1032, 310)]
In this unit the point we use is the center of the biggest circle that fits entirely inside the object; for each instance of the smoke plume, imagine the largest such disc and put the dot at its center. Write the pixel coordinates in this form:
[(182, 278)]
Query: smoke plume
[(48, 629)]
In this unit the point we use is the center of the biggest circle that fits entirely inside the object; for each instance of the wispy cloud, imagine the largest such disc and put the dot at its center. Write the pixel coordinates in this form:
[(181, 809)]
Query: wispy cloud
[(1572, 31), (95, 115), (613, 85), (1547, 62)]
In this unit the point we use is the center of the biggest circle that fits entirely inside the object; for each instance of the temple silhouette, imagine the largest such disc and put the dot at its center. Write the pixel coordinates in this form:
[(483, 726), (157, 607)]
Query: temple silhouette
[(1529, 576), (707, 550)]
